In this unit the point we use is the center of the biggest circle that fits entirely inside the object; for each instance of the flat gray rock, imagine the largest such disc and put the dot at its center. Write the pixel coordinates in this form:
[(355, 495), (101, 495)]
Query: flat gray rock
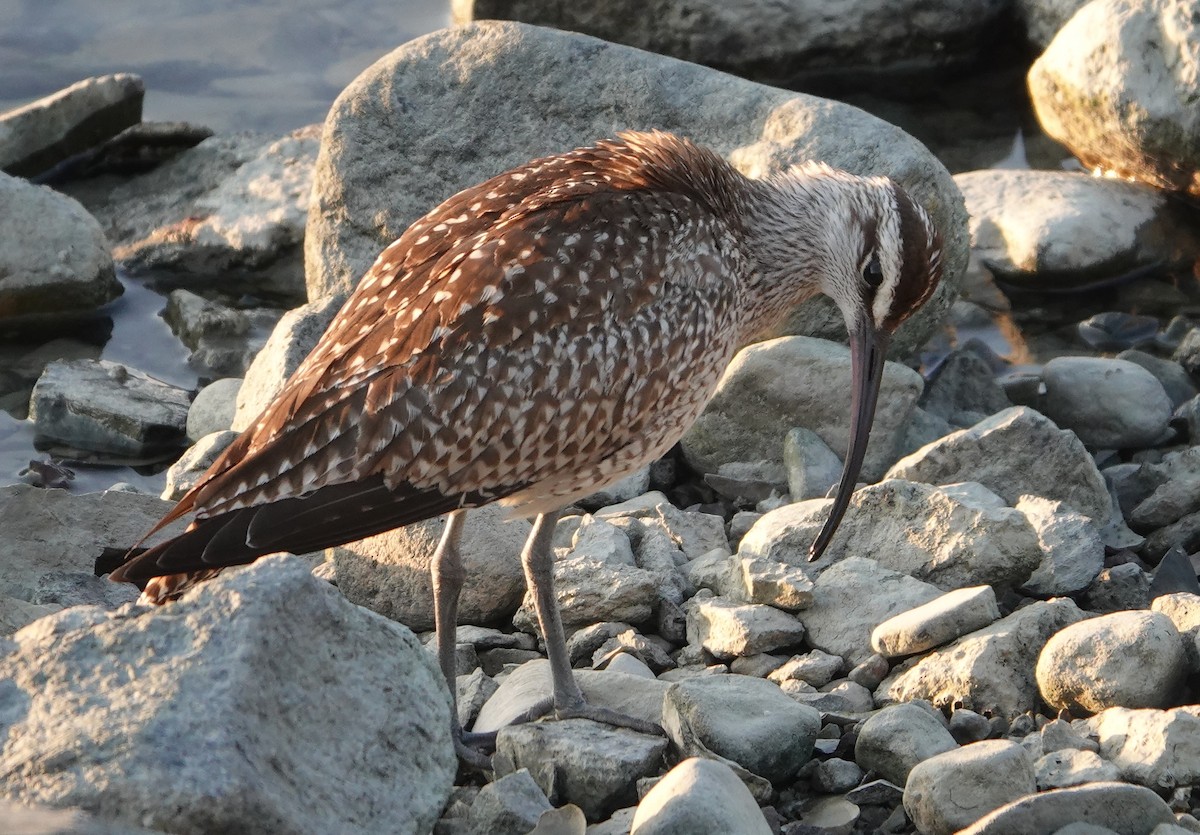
[(1113, 86), (937, 622), (1016, 452), (1125, 659), (990, 671), (773, 386), (474, 105), (699, 797), (951, 791), (43, 133), (743, 719), (728, 629), (103, 406), (202, 715), (510, 805), (54, 257), (1120, 807), (579, 761), (1108, 403), (896, 738)]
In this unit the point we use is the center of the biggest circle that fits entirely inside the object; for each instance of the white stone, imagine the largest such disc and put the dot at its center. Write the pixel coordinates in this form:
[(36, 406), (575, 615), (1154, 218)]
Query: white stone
[(699, 797), (728, 629), (1159, 749), (937, 622), (1072, 551), (950, 791)]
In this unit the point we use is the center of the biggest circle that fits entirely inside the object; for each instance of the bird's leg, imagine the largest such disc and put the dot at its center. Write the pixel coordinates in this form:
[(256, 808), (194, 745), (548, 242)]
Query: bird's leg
[(568, 702), (448, 575)]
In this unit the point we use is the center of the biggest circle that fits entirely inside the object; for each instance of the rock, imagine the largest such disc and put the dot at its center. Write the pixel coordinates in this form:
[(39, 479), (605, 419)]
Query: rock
[(693, 533), (223, 675), (598, 540), (952, 790), (937, 622), (1184, 534), (64, 589), (184, 473), (591, 590), (743, 719), (968, 726), (748, 40), (509, 805), (831, 814), (773, 386), (1107, 403), (776, 584), (1118, 588), (1175, 380), (1058, 735), (812, 467), (1063, 229), (213, 409), (896, 738), (102, 406), (853, 597), (699, 797), (1043, 18), (1072, 552), (54, 258), (1159, 749), (836, 776), (1113, 86), (720, 573), (728, 629), (16, 613), (1188, 352), (43, 133), (223, 339), (1073, 767), (989, 671), (963, 390), (1126, 659), (870, 672), (55, 531), (816, 668), (630, 487), (472, 691), (1171, 501), (293, 338), (1115, 331), (629, 644), (1183, 608), (1116, 806), (1014, 453), (390, 574), (379, 169), (580, 761), (34, 819)]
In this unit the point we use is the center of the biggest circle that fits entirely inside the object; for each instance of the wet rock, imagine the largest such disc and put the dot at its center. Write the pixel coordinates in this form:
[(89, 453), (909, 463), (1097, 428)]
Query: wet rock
[(1073, 767), (222, 339), (990, 671), (1046, 228), (937, 622), (742, 719), (221, 675), (773, 386), (1107, 403), (103, 406), (895, 739), (963, 390), (812, 467), (1115, 806), (510, 805), (578, 761), (213, 409), (853, 597), (1091, 87), (379, 169), (948, 537), (1175, 380), (1014, 453), (55, 531), (728, 629), (185, 473), (700, 796), (776, 584), (1072, 551), (952, 790), (43, 133), (1159, 749), (54, 258), (390, 574)]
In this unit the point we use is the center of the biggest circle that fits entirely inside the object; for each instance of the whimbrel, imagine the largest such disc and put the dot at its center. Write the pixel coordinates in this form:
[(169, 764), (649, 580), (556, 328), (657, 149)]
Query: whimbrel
[(538, 337)]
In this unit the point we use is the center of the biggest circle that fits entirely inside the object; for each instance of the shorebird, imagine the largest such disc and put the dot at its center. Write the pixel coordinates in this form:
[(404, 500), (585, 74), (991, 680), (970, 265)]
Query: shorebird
[(538, 337)]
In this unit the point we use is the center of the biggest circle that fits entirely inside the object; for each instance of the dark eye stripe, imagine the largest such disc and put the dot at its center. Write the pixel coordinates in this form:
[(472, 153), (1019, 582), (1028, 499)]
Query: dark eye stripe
[(920, 271)]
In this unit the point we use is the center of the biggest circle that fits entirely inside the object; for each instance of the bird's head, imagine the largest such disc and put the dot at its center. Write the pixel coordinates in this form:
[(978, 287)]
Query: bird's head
[(865, 243)]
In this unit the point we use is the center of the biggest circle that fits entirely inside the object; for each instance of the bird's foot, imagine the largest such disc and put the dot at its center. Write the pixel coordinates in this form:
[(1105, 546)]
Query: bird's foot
[(473, 749), (608, 716)]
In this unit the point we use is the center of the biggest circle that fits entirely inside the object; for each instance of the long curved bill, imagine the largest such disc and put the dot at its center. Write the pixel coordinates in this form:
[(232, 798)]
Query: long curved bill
[(868, 348)]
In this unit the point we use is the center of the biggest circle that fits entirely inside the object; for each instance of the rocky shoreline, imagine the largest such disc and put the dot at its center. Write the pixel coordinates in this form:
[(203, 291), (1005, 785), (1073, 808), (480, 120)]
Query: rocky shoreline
[(1001, 637)]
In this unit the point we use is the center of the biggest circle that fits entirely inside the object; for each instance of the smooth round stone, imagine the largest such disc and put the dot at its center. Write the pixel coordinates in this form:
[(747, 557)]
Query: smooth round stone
[(1115, 331), (699, 797), (897, 738), (1126, 659), (1108, 403), (953, 790), (1120, 807), (213, 409), (937, 622)]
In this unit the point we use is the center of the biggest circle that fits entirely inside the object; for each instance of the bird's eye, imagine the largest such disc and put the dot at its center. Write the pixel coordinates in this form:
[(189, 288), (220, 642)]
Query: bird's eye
[(873, 273)]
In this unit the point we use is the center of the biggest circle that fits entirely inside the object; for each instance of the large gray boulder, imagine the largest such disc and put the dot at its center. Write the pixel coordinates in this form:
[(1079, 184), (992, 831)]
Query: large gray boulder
[(54, 258), (262, 701), (1117, 86), (458, 106)]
